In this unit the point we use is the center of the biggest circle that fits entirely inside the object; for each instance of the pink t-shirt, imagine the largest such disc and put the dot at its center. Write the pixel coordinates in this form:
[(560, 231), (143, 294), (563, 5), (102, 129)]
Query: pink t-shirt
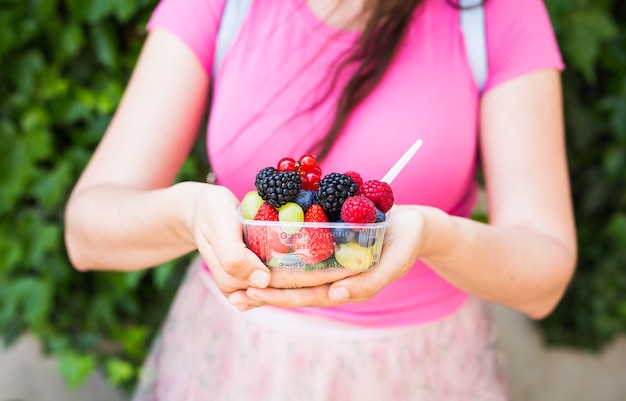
[(280, 64)]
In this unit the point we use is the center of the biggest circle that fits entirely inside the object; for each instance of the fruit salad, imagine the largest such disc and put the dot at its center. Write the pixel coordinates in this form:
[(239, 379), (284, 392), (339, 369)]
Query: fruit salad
[(299, 218)]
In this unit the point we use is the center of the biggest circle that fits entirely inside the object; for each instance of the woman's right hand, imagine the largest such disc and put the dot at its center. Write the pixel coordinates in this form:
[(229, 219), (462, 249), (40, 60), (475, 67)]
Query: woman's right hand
[(217, 232)]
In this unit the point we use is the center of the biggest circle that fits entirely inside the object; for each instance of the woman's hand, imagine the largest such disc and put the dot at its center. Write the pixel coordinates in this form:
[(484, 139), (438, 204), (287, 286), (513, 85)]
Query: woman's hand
[(213, 222), (400, 251)]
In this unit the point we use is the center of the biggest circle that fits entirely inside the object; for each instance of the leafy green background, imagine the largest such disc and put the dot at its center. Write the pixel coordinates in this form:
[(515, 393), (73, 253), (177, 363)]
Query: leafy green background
[(63, 67)]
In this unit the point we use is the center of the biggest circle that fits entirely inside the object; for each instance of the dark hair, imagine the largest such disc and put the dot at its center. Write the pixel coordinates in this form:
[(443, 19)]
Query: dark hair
[(383, 34)]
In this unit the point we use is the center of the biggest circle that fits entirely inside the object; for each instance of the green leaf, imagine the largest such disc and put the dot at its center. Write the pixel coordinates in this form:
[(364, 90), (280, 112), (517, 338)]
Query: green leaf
[(105, 42), (24, 74), (615, 161), (15, 169), (75, 368), (10, 253), (133, 340), (36, 133), (617, 228), (29, 297), (587, 30), (119, 371), (52, 189), (124, 9), (43, 243), (132, 279)]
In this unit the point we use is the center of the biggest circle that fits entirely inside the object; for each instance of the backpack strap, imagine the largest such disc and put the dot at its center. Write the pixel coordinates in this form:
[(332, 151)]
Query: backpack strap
[(472, 16), (234, 14)]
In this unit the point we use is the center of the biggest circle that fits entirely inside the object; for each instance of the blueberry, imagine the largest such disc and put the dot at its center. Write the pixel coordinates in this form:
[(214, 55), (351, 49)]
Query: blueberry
[(380, 216), (366, 238), (305, 199), (343, 235)]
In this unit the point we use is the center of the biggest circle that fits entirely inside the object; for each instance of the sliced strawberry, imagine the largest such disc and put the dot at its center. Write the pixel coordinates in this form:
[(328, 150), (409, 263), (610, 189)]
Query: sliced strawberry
[(256, 240), (265, 240), (313, 245)]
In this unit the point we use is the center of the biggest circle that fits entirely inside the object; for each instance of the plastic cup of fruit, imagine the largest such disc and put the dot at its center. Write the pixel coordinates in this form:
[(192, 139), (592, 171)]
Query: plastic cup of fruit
[(305, 254)]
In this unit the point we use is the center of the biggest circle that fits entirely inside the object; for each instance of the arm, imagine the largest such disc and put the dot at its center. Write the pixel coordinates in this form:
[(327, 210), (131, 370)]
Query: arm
[(525, 257), (123, 214)]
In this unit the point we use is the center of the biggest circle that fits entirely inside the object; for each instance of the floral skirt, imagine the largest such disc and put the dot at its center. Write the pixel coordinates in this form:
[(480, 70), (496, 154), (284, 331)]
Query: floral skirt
[(207, 350)]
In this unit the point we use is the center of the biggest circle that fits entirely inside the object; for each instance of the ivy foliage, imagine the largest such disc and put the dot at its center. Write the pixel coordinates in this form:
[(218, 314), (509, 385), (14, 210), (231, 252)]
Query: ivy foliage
[(593, 311), (64, 65), (64, 68)]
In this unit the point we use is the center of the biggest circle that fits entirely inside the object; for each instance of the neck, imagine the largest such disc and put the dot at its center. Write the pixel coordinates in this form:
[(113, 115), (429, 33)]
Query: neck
[(342, 14)]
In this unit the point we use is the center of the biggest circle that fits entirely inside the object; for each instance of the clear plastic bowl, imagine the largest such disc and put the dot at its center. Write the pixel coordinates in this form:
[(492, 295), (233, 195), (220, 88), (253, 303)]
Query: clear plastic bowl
[(315, 246)]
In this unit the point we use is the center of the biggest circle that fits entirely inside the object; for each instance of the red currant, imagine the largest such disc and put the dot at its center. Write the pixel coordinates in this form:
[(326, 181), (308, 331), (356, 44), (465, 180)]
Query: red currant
[(310, 181), (287, 164), (308, 163)]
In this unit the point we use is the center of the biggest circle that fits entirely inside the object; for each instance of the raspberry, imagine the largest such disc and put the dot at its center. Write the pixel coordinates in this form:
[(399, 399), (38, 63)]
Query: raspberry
[(358, 209), (315, 214), (378, 192), (334, 189), (356, 177), (278, 188)]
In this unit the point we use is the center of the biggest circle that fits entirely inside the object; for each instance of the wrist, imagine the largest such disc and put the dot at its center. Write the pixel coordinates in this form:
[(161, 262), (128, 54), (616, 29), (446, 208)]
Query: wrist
[(197, 206), (186, 199), (437, 228)]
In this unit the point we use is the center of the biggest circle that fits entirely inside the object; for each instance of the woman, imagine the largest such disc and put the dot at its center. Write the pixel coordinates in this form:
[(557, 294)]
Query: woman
[(355, 82)]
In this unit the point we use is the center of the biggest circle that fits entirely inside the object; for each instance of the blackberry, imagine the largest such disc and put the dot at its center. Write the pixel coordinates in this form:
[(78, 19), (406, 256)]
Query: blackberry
[(333, 191), (278, 188), (264, 174)]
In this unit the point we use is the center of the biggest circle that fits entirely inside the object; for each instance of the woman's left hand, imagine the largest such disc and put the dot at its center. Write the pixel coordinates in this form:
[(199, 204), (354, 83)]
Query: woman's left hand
[(403, 239)]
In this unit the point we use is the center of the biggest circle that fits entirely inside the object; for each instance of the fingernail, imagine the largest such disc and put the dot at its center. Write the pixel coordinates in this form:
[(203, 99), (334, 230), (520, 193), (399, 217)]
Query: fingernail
[(250, 293), (339, 294), (259, 278)]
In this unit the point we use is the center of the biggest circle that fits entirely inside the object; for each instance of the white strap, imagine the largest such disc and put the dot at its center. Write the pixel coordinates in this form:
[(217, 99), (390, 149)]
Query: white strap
[(473, 27), (234, 13)]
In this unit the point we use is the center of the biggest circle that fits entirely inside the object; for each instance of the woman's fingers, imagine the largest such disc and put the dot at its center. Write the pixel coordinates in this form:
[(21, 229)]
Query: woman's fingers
[(221, 239), (289, 298)]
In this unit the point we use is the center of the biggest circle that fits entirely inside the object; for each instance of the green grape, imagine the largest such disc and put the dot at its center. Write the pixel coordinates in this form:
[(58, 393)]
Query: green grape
[(291, 212), (250, 205)]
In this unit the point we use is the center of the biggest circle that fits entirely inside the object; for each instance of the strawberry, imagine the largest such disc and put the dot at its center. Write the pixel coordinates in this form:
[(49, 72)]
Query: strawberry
[(266, 212), (313, 245), (264, 240), (255, 241), (378, 192), (358, 209), (315, 214)]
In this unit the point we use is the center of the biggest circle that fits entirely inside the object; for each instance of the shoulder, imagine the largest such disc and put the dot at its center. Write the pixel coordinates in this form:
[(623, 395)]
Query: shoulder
[(520, 39), (195, 22)]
